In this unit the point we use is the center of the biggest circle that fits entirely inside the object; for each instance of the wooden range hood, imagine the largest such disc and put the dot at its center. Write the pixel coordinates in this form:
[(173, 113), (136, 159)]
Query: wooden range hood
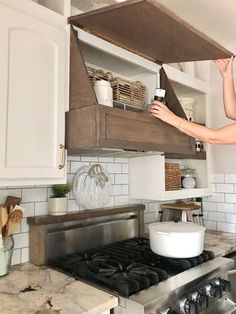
[(150, 30)]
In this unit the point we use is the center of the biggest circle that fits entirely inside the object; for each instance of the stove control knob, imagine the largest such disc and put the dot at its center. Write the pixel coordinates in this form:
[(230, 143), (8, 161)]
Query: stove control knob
[(225, 285), (216, 291), (202, 299), (190, 306), (171, 311)]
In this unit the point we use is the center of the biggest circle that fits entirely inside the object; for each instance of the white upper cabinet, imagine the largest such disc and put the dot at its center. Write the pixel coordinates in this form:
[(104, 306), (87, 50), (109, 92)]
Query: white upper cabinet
[(33, 95)]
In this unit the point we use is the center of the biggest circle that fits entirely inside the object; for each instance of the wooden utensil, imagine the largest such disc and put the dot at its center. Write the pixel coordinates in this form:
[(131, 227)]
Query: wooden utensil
[(3, 265), (12, 201), (4, 216)]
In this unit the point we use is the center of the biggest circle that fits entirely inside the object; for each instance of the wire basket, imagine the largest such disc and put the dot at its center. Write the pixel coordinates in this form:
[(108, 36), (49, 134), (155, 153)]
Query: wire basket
[(172, 176)]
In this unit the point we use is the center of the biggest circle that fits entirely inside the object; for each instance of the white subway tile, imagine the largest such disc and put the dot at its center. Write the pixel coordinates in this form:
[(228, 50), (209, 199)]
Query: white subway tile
[(114, 168), (125, 168), (13, 192), (105, 159), (210, 224), (216, 216), (68, 167), (209, 206), (16, 257), (89, 158), (21, 240), (34, 195), (150, 217), (73, 206), (121, 160), (111, 202), (74, 166), (70, 178), (134, 201), (226, 227), (217, 178), (121, 200), (29, 209), (225, 188), (216, 197), (231, 218), (73, 158), (116, 189), (213, 187), (121, 178), (25, 255), (24, 225), (125, 189), (225, 207), (152, 207), (112, 178), (230, 198), (230, 178), (41, 208)]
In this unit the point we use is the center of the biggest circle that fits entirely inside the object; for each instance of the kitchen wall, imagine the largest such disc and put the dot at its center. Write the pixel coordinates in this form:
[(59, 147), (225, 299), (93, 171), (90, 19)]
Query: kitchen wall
[(34, 198), (220, 208)]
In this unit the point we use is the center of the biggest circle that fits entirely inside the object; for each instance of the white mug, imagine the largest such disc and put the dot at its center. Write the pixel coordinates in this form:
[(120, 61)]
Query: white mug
[(104, 92)]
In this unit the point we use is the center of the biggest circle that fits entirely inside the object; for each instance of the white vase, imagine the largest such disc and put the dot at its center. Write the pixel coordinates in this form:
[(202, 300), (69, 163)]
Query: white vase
[(57, 206)]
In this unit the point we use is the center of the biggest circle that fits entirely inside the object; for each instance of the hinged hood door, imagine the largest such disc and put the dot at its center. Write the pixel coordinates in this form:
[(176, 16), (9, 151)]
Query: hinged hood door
[(148, 29)]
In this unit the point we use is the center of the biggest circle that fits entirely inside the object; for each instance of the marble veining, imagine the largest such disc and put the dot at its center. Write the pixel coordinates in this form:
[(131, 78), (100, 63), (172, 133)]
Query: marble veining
[(221, 243), (30, 289)]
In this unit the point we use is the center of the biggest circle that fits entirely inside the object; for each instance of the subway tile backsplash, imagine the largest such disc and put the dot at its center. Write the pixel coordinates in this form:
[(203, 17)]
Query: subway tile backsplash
[(34, 198), (220, 208)]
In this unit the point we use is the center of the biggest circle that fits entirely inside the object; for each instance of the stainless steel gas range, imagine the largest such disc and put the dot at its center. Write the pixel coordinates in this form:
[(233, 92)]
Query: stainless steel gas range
[(107, 249)]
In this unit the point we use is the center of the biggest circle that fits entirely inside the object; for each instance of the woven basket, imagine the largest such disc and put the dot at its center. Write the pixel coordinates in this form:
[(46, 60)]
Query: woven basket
[(98, 74), (128, 92), (172, 176)]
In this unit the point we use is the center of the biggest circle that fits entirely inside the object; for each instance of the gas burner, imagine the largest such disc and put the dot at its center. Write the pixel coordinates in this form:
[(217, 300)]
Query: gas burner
[(78, 263), (125, 267), (136, 243)]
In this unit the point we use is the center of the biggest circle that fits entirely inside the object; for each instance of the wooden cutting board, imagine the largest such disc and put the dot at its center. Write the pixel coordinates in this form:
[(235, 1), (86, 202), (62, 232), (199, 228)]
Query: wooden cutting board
[(181, 206)]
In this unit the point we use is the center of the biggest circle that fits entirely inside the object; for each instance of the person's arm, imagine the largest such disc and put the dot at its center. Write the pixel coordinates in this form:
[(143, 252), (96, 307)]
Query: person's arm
[(225, 135), (225, 67)]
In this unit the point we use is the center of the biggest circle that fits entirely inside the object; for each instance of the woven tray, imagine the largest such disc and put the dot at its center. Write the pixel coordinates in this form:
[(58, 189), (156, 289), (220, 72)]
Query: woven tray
[(172, 176)]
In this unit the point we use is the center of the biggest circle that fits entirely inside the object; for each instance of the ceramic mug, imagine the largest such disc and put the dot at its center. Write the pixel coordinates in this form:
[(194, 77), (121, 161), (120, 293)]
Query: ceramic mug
[(104, 92)]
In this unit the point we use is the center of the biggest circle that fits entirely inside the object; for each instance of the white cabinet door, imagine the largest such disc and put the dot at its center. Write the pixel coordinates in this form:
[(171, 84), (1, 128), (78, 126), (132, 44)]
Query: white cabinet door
[(32, 99)]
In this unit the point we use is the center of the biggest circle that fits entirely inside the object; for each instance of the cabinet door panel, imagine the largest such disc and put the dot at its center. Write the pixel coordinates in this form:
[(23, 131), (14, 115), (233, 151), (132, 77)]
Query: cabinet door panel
[(32, 101)]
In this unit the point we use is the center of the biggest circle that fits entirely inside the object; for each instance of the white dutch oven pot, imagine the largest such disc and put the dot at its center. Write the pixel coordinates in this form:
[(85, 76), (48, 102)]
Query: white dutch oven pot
[(176, 239)]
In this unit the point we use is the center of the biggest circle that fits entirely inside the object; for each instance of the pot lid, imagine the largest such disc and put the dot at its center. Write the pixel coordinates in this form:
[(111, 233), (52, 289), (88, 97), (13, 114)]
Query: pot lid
[(150, 30), (175, 227)]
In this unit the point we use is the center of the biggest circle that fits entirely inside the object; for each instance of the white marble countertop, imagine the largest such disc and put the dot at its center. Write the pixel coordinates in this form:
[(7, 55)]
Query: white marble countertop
[(221, 243), (30, 289)]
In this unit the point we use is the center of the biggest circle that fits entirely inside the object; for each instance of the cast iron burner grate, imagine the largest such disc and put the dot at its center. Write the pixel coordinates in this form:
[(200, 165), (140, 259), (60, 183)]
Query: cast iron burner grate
[(125, 267)]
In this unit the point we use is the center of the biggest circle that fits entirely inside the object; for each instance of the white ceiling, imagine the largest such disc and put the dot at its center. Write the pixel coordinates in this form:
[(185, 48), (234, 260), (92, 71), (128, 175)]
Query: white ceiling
[(215, 18)]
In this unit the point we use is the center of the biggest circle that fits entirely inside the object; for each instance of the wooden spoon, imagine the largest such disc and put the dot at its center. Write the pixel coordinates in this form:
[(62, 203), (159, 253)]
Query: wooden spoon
[(4, 216), (3, 265)]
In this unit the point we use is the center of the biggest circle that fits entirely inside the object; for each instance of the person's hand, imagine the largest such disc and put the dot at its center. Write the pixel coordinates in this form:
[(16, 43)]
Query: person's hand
[(160, 111), (225, 66)]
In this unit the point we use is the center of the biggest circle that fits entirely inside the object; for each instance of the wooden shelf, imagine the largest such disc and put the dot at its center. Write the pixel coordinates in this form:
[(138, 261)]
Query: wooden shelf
[(49, 219), (197, 155)]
